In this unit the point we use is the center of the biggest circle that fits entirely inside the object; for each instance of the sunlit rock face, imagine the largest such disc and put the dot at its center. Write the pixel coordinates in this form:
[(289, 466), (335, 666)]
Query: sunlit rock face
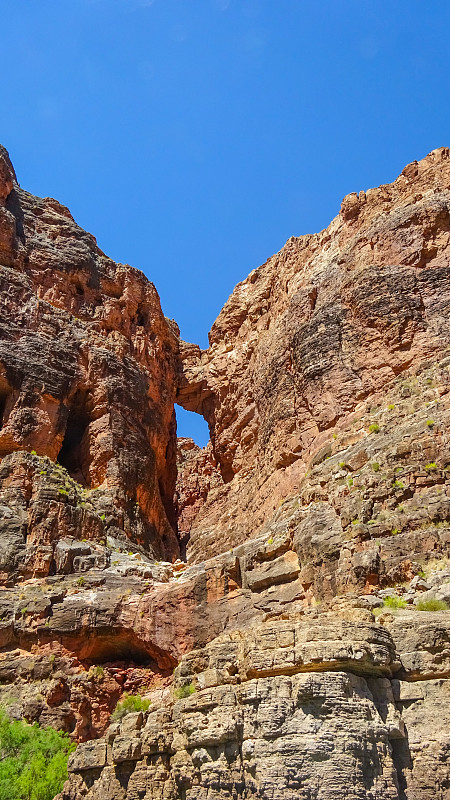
[(276, 665), (87, 366), (312, 339)]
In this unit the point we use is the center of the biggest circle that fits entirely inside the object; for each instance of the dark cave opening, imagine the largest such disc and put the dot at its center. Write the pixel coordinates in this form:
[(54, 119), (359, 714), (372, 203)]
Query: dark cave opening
[(5, 391), (3, 399), (75, 451)]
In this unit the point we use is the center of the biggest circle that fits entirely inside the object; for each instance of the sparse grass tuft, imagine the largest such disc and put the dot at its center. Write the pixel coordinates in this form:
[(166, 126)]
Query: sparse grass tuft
[(432, 604)]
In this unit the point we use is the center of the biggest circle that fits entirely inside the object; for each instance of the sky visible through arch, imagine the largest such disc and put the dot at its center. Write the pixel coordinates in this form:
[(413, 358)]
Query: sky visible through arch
[(194, 137)]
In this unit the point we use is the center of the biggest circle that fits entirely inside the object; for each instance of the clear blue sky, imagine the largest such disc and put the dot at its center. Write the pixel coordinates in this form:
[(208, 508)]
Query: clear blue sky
[(193, 137)]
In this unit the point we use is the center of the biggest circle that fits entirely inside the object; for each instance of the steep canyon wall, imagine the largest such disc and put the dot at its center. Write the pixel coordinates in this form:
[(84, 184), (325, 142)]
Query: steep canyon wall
[(275, 666)]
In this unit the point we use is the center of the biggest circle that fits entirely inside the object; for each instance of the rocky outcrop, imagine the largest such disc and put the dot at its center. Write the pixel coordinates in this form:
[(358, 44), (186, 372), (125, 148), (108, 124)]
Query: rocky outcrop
[(87, 378), (301, 652), (197, 475), (297, 709), (323, 326)]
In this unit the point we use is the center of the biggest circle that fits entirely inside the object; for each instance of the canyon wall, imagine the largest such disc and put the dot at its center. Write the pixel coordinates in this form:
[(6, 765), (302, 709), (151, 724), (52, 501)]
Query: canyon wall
[(301, 648), (311, 336), (87, 378)]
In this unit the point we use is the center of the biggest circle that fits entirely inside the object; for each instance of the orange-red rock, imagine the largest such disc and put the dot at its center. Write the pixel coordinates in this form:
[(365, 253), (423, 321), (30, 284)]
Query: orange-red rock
[(323, 325), (87, 366)]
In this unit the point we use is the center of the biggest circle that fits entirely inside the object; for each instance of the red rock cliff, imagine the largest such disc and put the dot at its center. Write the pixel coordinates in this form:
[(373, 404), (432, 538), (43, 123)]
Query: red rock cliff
[(87, 377), (321, 327)]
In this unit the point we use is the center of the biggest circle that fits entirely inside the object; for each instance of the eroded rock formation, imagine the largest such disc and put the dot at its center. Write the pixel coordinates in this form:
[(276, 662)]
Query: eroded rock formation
[(276, 664), (87, 378), (328, 322)]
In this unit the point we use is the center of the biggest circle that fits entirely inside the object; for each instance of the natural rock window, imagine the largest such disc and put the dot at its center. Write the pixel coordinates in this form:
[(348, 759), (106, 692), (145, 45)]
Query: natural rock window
[(192, 425)]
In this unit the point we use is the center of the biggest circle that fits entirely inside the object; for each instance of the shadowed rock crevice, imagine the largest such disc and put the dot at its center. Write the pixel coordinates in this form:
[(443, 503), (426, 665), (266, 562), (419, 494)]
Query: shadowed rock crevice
[(75, 455), (5, 392)]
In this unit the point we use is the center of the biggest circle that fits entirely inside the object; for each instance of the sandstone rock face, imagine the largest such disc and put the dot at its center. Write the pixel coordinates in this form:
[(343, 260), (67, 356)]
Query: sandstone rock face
[(299, 709), (87, 365), (302, 649), (323, 326), (197, 475)]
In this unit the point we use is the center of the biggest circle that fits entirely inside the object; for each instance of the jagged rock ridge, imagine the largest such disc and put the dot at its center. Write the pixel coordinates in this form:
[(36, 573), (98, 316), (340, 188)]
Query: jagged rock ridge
[(273, 667)]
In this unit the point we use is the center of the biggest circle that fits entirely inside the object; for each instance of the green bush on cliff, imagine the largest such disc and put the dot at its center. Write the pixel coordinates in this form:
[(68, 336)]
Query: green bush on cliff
[(394, 602), (33, 760), (184, 691), (129, 704)]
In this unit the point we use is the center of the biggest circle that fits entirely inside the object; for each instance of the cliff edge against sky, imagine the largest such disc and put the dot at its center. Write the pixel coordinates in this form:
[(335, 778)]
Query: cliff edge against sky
[(241, 588)]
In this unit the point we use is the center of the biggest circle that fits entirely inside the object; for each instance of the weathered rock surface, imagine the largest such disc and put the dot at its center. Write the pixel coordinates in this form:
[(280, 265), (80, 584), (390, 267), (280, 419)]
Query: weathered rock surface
[(324, 325), (288, 658), (298, 709), (87, 366)]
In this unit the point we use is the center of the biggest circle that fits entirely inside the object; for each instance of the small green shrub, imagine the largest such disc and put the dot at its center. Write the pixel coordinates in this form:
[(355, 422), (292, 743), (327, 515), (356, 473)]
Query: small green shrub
[(391, 406), (375, 466), (432, 604), (430, 423), (80, 581), (33, 452), (398, 485), (393, 601), (96, 672), (129, 704), (431, 465), (33, 760), (374, 428), (269, 540), (184, 691), (350, 482)]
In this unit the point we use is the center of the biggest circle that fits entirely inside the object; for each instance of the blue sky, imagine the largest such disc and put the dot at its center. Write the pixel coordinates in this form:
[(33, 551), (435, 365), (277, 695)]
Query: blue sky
[(193, 137)]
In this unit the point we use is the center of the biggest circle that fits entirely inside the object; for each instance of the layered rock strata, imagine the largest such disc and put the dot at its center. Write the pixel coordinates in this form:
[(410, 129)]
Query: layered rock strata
[(87, 378), (324, 325), (296, 655)]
